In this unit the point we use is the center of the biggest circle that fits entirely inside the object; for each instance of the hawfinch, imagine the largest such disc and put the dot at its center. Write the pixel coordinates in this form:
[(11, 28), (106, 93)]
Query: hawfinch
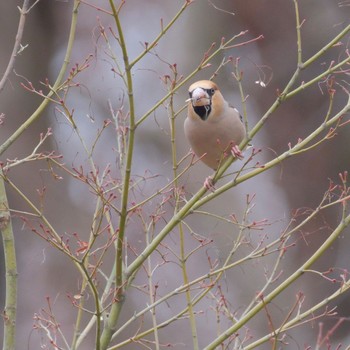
[(213, 128)]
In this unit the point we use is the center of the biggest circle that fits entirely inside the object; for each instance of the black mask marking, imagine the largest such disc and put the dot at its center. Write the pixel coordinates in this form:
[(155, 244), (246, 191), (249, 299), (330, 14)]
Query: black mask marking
[(204, 111)]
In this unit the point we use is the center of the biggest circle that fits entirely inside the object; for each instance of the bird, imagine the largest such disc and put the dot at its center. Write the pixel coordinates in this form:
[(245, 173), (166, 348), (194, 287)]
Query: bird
[(213, 128)]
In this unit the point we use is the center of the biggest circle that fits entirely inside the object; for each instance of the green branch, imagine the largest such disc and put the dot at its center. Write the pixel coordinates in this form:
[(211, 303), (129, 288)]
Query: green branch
[(196, 201), (9, 314), (110, 325), (164, 30), (265, 300), (38, 112), (202, 65), (277, 160)]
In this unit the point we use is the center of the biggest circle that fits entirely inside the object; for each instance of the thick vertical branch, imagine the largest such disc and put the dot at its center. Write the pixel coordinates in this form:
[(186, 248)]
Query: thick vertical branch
[(119, 292), (298, 26), (9, 314)]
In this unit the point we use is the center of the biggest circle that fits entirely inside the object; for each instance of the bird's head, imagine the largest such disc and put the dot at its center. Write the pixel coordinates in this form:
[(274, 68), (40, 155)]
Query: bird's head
[(204, 97)]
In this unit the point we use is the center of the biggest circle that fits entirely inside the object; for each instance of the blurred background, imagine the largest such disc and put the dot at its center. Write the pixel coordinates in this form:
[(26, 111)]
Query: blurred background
[(299, 182)]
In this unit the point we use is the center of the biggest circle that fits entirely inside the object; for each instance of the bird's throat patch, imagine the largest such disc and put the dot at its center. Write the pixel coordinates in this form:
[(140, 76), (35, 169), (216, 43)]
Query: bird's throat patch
[(203, 111)]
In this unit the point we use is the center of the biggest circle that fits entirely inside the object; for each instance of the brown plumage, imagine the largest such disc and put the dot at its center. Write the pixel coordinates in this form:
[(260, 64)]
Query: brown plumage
[(213, 128)]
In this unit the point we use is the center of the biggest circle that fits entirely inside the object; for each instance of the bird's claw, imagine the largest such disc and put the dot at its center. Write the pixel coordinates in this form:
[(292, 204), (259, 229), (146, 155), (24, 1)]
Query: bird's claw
[(236, 152), (209, 184)]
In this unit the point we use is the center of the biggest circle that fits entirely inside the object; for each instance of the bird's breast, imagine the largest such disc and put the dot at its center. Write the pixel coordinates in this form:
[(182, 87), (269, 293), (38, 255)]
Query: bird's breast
[(212, 138)]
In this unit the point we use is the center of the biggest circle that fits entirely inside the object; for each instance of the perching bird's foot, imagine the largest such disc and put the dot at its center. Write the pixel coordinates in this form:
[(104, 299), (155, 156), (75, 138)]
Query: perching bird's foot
[(236, 152), (209, 184)]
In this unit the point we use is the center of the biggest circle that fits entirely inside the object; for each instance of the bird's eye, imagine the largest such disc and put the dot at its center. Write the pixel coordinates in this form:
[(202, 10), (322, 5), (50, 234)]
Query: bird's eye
[(210, 92), (190, 93)]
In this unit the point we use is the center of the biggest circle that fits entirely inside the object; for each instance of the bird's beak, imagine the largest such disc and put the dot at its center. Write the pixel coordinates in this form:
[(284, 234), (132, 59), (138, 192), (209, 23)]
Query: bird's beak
[(199, 97)]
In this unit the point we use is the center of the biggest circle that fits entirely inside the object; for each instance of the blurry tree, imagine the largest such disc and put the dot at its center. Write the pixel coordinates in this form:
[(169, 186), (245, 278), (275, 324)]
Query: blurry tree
[(105, 213)]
